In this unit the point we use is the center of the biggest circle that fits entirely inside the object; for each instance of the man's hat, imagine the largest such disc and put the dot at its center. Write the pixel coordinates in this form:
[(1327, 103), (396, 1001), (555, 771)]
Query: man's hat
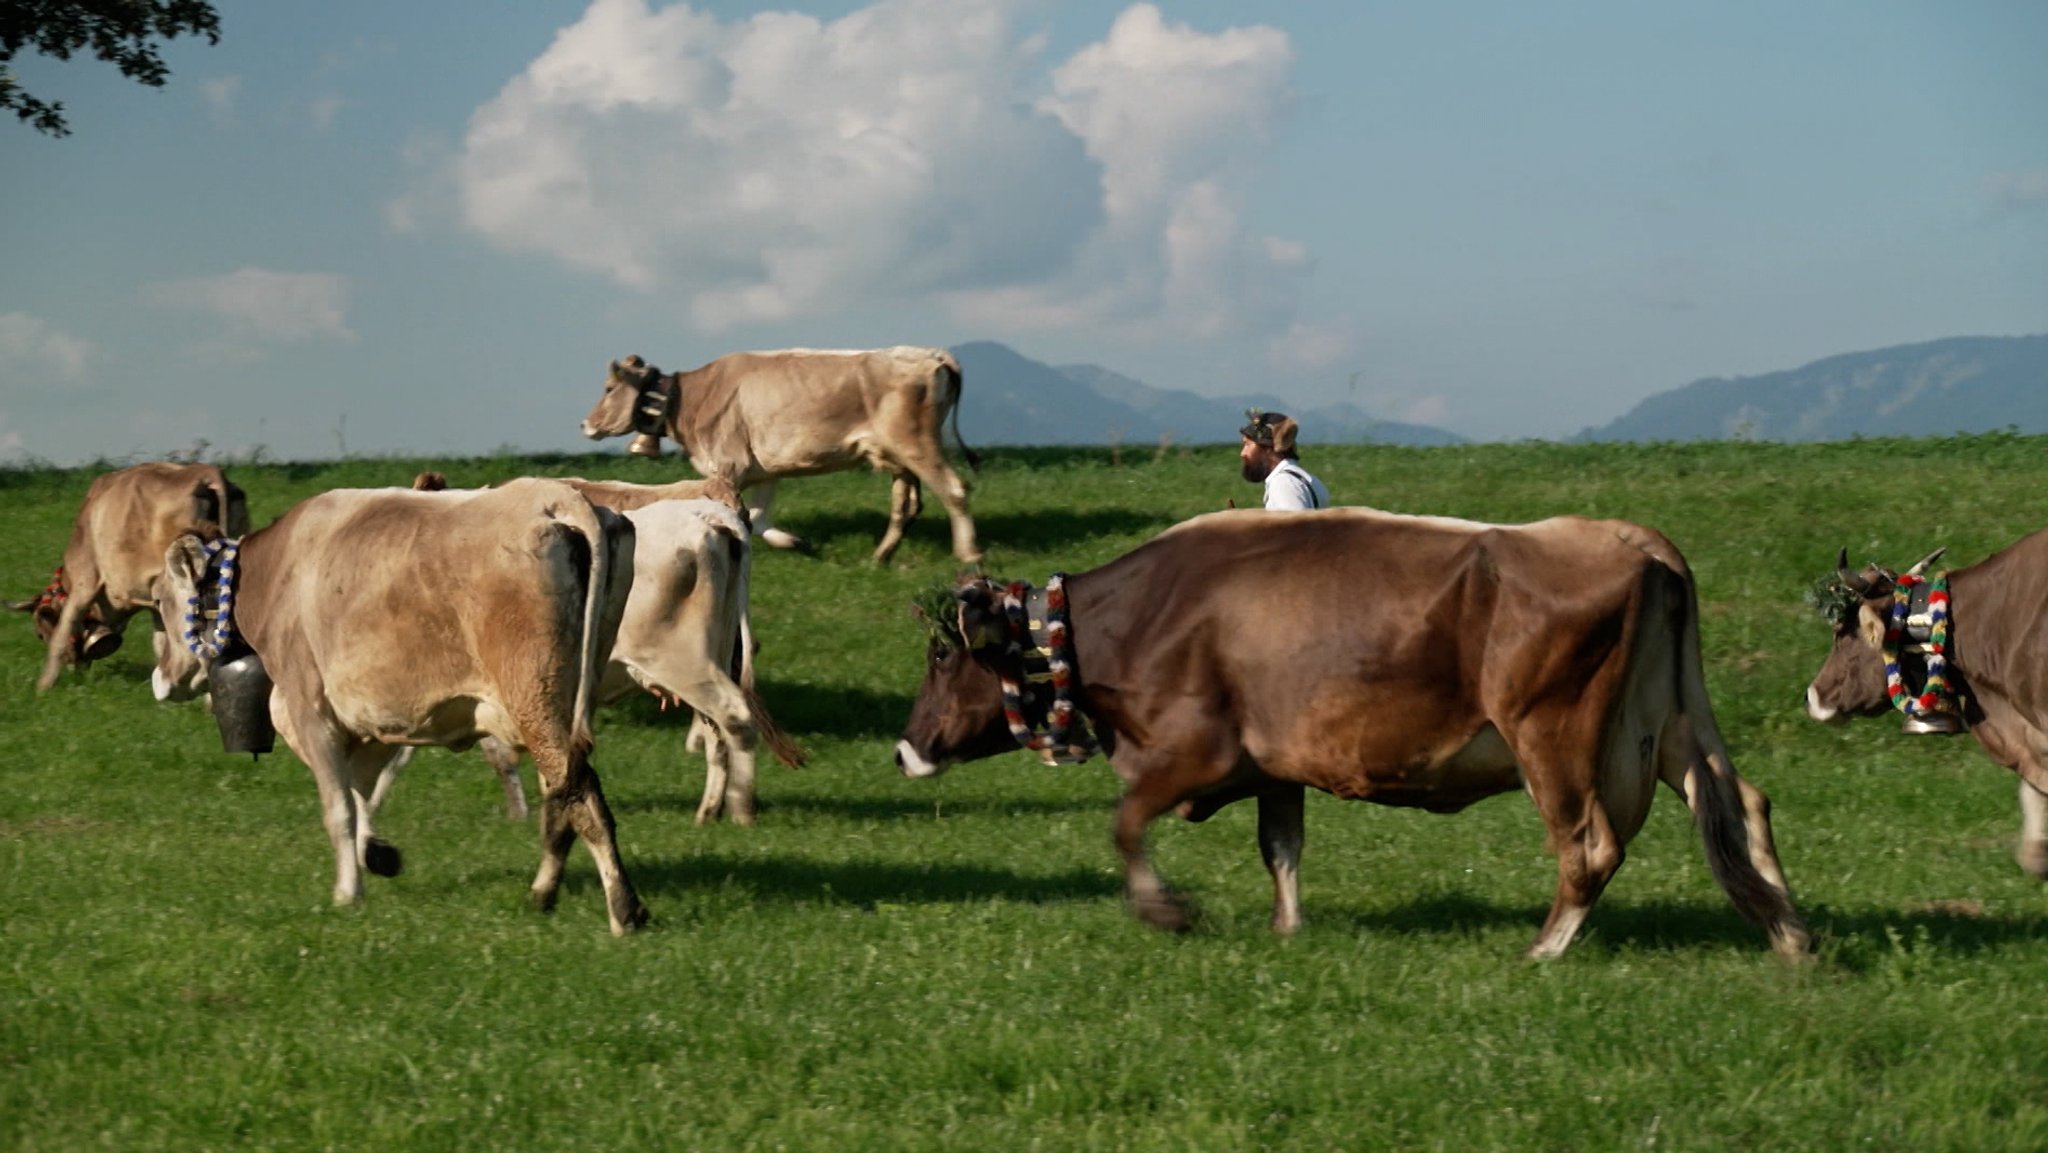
[(1274, 430)]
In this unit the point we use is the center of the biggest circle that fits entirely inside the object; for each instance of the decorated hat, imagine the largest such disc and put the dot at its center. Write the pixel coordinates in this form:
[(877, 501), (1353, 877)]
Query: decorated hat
[(1274, 430)]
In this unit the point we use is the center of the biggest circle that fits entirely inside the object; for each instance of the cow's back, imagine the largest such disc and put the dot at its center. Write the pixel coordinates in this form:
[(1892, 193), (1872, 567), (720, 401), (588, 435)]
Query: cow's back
[(799, 411), (406, 608), (1315, 629)]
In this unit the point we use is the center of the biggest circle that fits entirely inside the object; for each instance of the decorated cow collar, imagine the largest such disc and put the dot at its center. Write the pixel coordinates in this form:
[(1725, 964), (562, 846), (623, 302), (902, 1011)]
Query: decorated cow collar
[(209, 643), (54, 594), (1936, 705), (1038, 632), (651, 406)]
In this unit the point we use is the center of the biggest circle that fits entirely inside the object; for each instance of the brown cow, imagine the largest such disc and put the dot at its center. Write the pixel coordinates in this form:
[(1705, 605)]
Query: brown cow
[(1996, 657), (685, 636), (117, 550), (386, 618), (756, 417), (1411, 661)]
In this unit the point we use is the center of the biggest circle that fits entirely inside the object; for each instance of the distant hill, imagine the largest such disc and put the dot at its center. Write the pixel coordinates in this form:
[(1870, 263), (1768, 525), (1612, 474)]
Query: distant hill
[(1009, 398), (1961, 384)]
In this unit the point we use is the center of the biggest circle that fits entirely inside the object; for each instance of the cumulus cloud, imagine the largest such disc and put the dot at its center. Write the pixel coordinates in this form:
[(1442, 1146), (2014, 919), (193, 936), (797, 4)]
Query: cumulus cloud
[(2018, 191), (219, 93), (266, 305), (32, 348), (780, 166)]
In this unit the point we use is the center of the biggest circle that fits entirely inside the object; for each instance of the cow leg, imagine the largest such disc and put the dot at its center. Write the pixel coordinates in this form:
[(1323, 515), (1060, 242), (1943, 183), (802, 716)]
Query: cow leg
[(504, 760), (324, 747), (728, 736), (760, 501), (903, 505), (1579, 832), (372, 769), (2033, 850), (68, 621), (572, 805), (1280, 841), (1734, 819), (952, 491)]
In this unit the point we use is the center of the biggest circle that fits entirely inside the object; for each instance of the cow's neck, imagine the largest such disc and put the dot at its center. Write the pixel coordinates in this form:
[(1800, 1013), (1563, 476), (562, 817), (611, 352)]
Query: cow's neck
[(1102, 605), (1980, 652)]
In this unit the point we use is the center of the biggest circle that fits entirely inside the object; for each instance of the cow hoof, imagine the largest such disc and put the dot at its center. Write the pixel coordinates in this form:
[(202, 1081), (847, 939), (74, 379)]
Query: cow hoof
[(635, 917), (382, 858), (543, 900), (2034, 859), (1163, 913)]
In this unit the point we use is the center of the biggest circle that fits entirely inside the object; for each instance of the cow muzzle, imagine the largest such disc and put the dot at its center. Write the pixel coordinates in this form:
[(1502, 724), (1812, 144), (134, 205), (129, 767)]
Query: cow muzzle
[(1823, 713), (914, 765)]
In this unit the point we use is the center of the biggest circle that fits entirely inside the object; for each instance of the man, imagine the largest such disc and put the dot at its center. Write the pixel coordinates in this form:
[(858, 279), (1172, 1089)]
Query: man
[(1269, 456)]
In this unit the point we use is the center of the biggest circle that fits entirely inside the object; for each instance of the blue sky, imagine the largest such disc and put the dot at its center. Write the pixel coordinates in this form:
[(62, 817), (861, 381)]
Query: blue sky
[(396, 227)]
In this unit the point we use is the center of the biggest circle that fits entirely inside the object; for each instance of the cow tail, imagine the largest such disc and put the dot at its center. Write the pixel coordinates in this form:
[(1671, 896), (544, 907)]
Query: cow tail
[(951, 380), (591, 660), (1734, 816), (742, 668)]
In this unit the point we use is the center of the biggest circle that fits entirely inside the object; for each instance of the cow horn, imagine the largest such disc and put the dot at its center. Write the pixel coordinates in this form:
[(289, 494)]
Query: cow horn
[(1921, 568), (1854, 582)]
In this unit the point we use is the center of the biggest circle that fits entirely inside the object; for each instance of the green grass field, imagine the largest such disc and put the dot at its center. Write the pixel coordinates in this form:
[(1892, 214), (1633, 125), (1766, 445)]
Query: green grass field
[(908, 965)]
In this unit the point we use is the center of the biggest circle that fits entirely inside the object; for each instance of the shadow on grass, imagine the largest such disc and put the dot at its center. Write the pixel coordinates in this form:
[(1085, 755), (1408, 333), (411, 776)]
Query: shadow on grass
[(906, 808), (867, 883), (1859, 940), (1030, 531)]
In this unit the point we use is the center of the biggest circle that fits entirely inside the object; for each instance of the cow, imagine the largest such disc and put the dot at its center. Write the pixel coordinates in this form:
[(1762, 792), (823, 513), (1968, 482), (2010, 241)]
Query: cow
[(1996, 665), (116, 552), (387, 618), (754, 418), (685, 636), (1412, 661)]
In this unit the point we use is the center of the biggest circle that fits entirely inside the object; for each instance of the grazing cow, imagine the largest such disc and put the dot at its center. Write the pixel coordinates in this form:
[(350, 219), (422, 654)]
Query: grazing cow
[(756, 417), (1996, 658), (685, 636), (1412, 661), (387, 618), (116, 551)]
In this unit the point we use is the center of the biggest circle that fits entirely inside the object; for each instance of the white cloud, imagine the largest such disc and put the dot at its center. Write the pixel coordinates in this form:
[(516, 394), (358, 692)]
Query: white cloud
[(782, 167), (219, 93), (1310, 347), (323, 111), (2018, 191), (30, 347), (265, 305)]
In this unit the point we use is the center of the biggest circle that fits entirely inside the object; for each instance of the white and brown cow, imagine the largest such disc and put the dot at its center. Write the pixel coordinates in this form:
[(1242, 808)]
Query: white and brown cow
[(685, 636), (1412, 661), (116, 552), (753, 418), (388, 618)]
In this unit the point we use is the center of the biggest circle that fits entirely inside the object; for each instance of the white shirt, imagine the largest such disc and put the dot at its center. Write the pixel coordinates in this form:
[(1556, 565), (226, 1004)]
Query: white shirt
[(1290, 486)]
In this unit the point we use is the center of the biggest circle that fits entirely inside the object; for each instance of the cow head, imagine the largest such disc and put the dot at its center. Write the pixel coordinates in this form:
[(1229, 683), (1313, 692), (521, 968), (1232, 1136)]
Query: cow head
[(180, 673), (1851, 683), (635, 400), (91, 640), (958, 714)]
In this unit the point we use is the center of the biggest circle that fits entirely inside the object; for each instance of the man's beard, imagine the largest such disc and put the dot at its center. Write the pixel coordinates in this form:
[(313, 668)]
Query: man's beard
[(1256, 471)]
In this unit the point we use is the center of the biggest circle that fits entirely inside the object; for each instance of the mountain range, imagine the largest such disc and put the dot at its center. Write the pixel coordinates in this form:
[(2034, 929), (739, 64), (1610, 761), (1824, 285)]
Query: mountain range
[(1958, 384), (1961, 384), (1011, 399)]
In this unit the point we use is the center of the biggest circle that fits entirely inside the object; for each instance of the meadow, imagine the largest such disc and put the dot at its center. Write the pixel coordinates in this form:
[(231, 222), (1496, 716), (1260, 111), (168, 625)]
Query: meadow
[(890, 964)]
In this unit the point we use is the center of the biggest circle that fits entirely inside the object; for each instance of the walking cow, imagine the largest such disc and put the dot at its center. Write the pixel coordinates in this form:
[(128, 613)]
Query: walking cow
[(116, 552), (1983, 666), (1412, 661), (753, 418), (389, 618)]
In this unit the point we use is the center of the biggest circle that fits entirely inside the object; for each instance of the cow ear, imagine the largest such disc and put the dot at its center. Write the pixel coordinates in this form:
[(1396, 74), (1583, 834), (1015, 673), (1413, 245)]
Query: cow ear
[(184, 566), (982, 624), (1871, 623), (27, 606)]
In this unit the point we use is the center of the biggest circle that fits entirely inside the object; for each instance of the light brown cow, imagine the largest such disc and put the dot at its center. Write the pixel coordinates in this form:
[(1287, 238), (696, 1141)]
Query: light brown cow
[(388, 618), (686, 635), (1410, 661), (117, 550), (756, 417)]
